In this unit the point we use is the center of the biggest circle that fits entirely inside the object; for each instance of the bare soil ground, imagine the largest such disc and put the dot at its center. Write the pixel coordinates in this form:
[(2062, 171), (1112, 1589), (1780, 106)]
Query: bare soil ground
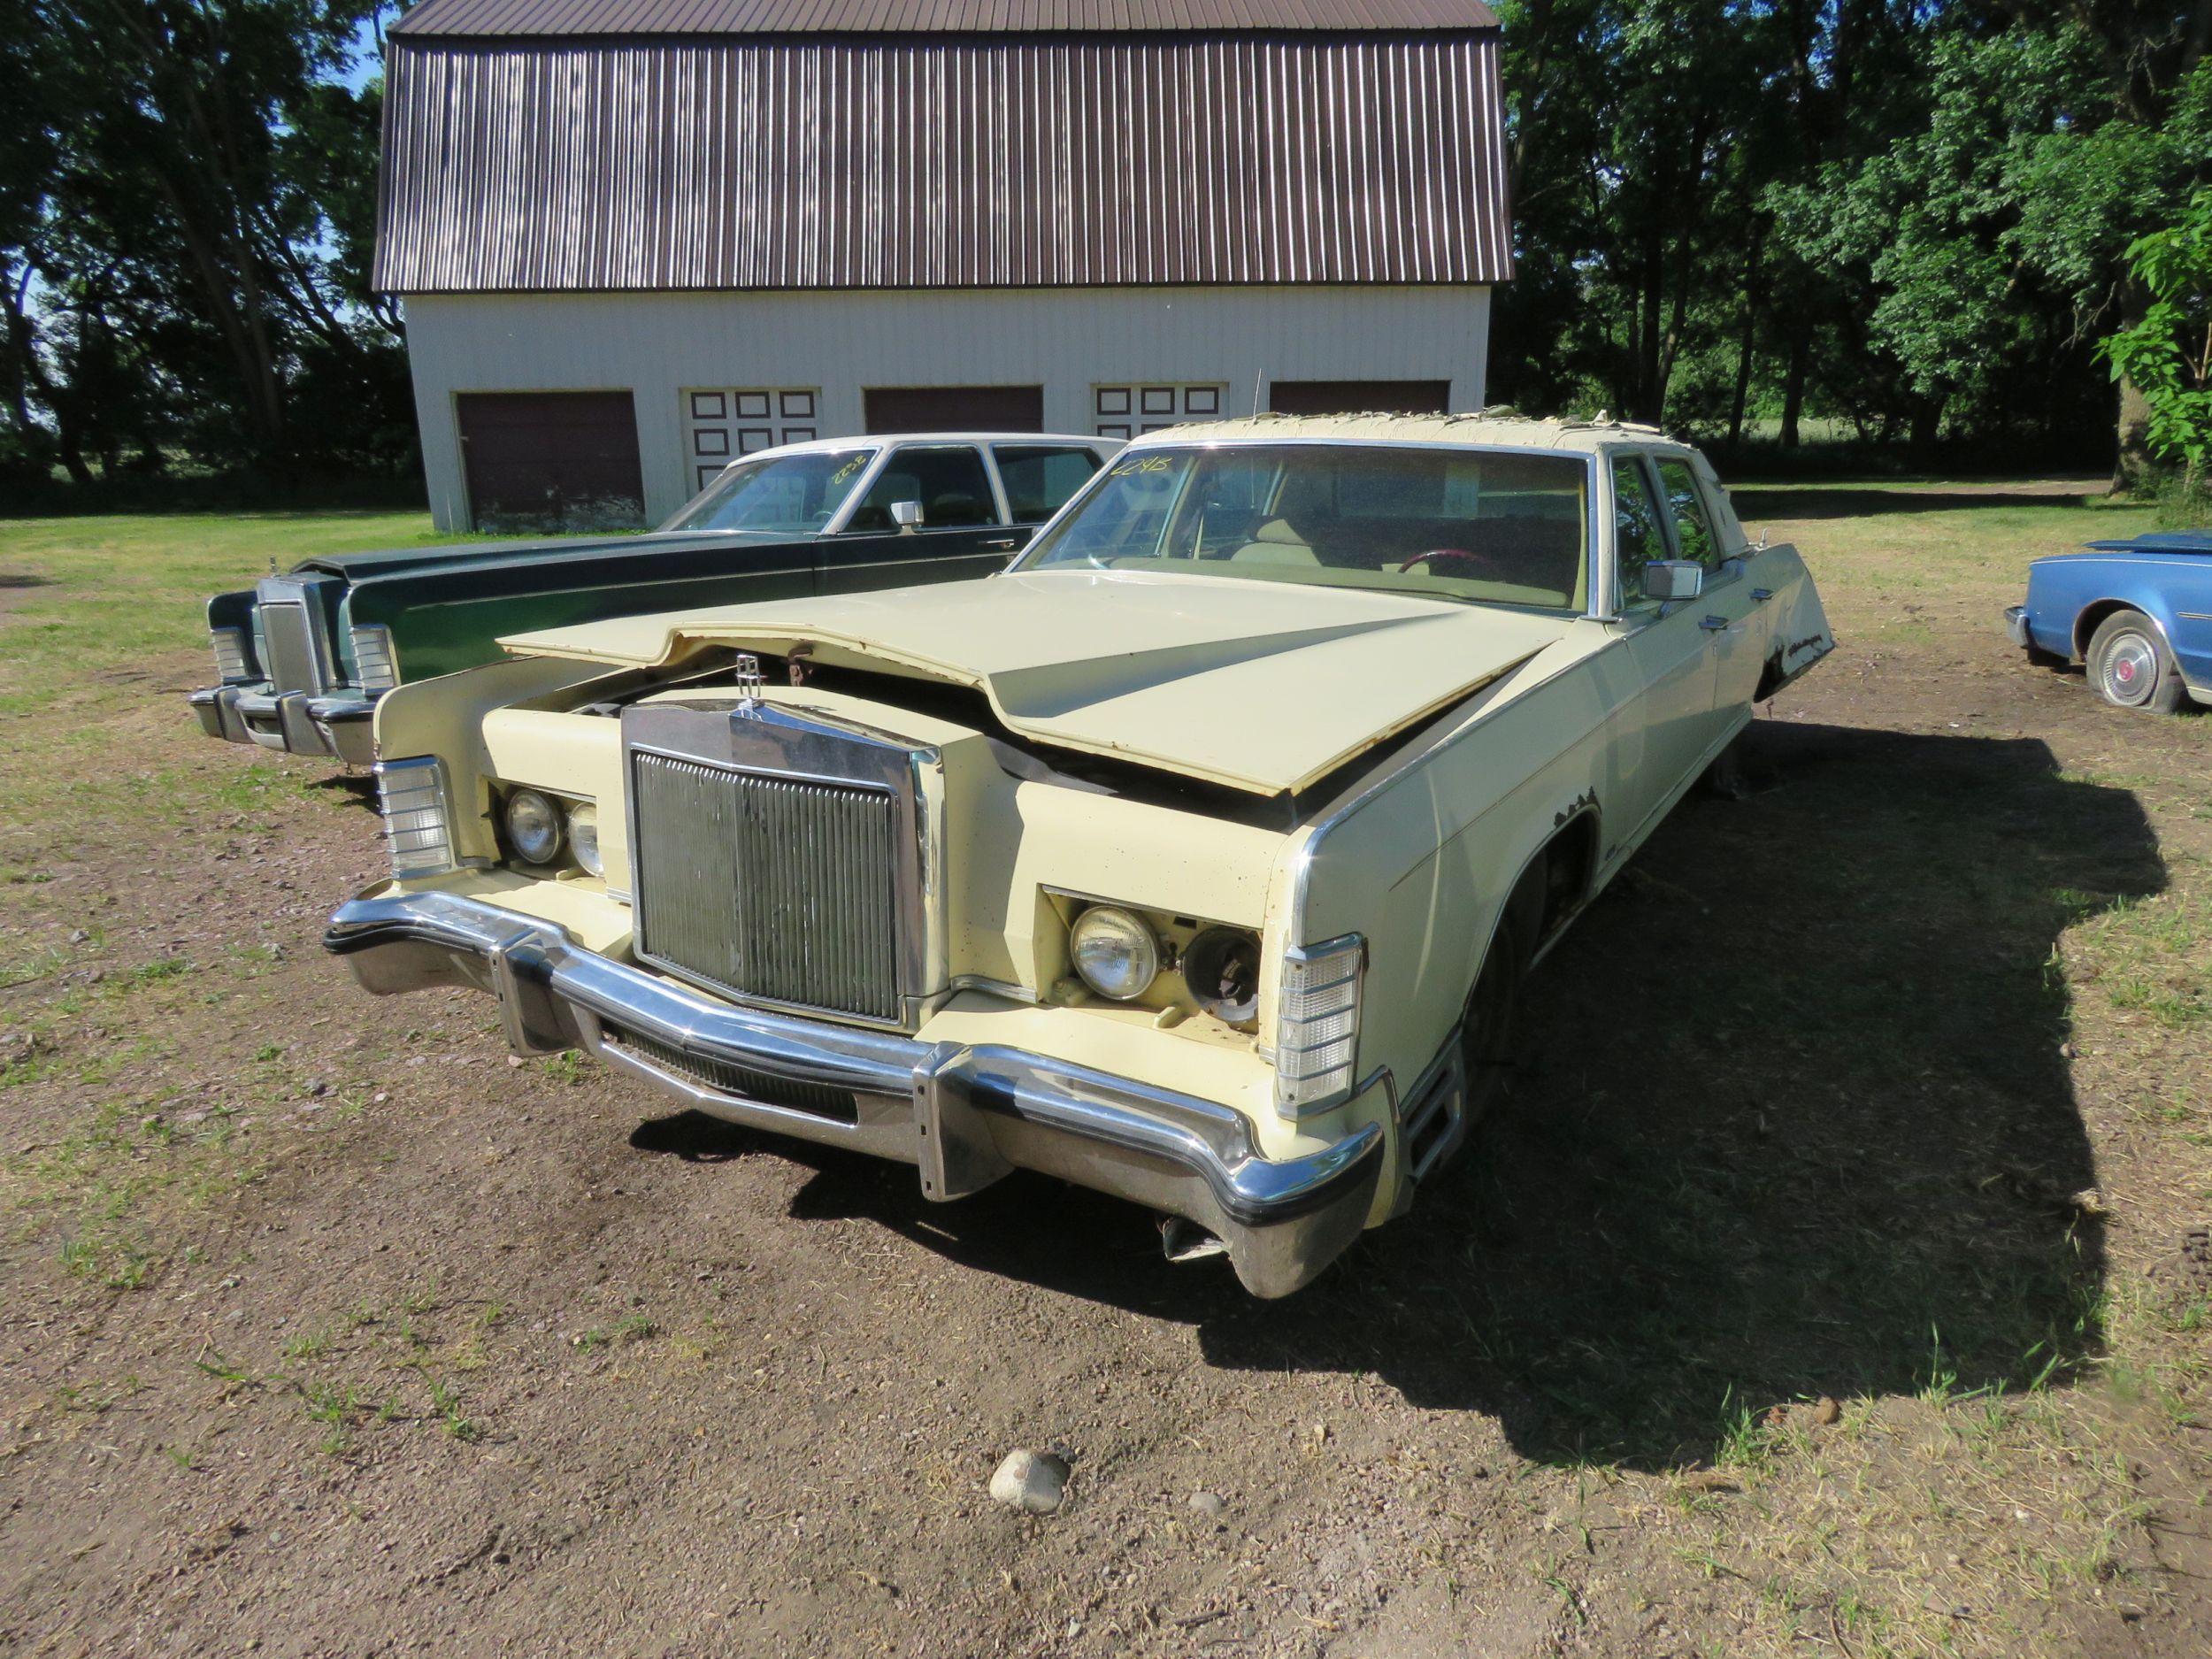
[(1826, 1287)]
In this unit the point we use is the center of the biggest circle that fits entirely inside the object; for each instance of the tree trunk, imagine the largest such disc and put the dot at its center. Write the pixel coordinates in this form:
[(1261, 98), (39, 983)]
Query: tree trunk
[(1750, 332), (1793, 391), (1927, 423), (2134, 467)]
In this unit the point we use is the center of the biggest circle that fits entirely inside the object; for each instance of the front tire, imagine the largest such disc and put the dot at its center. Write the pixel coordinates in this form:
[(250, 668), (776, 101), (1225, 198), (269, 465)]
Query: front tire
[(1490, 1039), (2131, 668)]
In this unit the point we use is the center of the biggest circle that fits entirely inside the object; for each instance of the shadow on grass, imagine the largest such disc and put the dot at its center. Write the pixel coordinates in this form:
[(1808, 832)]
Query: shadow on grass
[(1802, 1126), (1756, 507), (349, 788)]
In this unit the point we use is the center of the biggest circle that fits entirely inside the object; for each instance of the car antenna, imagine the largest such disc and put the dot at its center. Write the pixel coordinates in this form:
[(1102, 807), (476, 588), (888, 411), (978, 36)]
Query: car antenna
[(1257, 375)]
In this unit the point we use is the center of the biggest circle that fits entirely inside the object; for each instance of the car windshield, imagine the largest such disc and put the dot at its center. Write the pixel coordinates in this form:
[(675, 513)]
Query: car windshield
[(1492, 527), (796, 494)]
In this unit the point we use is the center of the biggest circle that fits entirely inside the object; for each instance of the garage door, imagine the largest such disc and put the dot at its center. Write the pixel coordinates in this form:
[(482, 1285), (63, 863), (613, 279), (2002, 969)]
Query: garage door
[(1359, 397), (955, 407), (551, 461)]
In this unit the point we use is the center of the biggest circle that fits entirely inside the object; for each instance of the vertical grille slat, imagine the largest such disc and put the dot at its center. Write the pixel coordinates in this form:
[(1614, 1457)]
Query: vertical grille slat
[(778, 888)]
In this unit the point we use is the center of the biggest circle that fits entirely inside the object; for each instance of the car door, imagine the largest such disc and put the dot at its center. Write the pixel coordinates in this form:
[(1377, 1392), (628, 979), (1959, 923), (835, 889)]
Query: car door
[(1729, 610), (963, 533), (1663, 727)]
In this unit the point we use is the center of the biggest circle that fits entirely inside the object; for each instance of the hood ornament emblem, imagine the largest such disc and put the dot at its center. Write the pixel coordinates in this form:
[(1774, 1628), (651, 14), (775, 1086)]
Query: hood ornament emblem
[(745, 672)]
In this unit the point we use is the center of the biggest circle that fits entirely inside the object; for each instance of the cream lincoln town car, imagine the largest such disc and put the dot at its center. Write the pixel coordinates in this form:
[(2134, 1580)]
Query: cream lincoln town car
[(1198, 858)]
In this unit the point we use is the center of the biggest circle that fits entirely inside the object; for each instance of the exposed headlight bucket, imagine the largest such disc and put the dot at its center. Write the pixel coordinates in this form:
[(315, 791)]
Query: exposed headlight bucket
[(534, 827), (1115, 952), (417, 830), (1221, 967), (583, 837), (1316, 1034)]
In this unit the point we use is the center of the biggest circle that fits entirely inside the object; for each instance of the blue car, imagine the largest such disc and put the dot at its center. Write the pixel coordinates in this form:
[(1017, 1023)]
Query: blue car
[(2137, 614)]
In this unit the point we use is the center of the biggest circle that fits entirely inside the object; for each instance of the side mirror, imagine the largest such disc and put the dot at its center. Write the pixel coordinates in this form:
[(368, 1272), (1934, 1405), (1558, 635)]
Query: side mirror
[(906, 514), (1673, 578)]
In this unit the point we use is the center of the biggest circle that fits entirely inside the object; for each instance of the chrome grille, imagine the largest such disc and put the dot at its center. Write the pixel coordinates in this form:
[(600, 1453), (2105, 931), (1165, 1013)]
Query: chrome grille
[(773, 886), (291, 641)]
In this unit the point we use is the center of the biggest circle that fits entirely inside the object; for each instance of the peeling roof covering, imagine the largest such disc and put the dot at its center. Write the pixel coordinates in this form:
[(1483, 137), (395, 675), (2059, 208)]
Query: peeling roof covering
[(481, 18), (1493, 426)]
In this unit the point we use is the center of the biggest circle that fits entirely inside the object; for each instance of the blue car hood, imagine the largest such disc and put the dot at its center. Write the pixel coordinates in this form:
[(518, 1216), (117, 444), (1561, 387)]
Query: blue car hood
[(2160, 542)]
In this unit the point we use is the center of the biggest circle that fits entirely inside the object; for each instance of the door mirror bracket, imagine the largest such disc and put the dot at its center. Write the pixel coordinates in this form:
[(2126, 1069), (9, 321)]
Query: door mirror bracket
[(906, 514)]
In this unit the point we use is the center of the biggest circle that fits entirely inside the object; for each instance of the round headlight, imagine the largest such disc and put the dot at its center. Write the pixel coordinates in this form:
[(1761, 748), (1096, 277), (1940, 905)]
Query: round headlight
[(583, 837), (534, 827), (1115, 952)]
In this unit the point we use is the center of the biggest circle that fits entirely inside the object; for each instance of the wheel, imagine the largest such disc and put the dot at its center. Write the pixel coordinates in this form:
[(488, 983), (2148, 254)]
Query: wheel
[(1490, 1038), (2131, 667), (1724, 778)]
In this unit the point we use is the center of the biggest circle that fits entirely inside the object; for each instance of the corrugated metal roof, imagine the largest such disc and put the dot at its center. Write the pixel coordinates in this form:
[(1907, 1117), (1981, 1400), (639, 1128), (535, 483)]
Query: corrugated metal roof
[(538, 17), (942, 164)]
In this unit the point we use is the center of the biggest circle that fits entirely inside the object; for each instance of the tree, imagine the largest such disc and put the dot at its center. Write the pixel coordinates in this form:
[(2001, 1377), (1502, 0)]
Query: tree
[(195, 236), (1909, 215), (2166, 353)]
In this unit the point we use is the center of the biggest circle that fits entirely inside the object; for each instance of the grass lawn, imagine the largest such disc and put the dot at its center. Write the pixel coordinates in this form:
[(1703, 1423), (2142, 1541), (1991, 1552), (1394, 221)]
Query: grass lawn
[(1826, 1288)]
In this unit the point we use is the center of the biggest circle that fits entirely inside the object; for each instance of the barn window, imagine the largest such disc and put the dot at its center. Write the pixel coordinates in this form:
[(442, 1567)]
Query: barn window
[(724, 422), (1122, 412)]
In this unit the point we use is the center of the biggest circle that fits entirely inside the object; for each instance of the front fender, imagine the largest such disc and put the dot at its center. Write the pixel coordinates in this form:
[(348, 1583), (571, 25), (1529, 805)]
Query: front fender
[(1422, 862)]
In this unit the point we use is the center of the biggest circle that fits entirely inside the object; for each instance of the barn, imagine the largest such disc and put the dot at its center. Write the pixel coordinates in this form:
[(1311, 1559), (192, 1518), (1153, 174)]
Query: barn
[(635, 238)]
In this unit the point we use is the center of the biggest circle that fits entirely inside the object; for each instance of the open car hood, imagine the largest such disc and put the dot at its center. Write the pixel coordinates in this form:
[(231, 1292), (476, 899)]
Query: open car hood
[(408, 561), (1262, 686)]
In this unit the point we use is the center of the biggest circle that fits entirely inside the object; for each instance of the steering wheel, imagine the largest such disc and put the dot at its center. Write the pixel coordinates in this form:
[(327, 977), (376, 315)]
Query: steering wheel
[(1434, 553)]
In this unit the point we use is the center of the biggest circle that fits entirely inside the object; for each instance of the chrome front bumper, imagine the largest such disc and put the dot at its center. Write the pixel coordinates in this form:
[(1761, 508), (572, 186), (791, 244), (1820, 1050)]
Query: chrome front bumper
[(966, 1114), (2017, 625), (294, 722)]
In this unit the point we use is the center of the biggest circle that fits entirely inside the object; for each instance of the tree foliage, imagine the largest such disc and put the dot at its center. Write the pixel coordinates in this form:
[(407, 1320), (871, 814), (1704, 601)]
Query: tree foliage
[(186, 212), (1907, 219), (2167, 351)]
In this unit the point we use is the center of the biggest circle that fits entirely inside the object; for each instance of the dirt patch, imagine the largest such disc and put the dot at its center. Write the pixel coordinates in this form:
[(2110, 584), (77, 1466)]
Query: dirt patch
[(330, 1330)]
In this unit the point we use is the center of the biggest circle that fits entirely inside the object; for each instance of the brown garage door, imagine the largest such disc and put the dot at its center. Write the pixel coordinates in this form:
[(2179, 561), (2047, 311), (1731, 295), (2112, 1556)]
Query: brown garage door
[(955, 407), (551, 461), (1359, 397)]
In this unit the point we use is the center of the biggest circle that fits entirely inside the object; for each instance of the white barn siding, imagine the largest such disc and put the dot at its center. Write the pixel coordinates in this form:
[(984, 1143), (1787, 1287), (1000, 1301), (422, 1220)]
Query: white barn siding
[(1066, 340)]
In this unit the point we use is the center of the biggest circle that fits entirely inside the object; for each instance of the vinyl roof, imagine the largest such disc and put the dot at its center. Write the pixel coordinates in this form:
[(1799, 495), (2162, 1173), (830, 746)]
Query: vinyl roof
[(1492, 427), (511, 18)]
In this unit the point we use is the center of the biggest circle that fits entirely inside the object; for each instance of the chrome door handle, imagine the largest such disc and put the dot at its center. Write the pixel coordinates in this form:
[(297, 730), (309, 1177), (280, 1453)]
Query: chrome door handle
[(1762, 594), (1010, 541), (1714, 625)]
